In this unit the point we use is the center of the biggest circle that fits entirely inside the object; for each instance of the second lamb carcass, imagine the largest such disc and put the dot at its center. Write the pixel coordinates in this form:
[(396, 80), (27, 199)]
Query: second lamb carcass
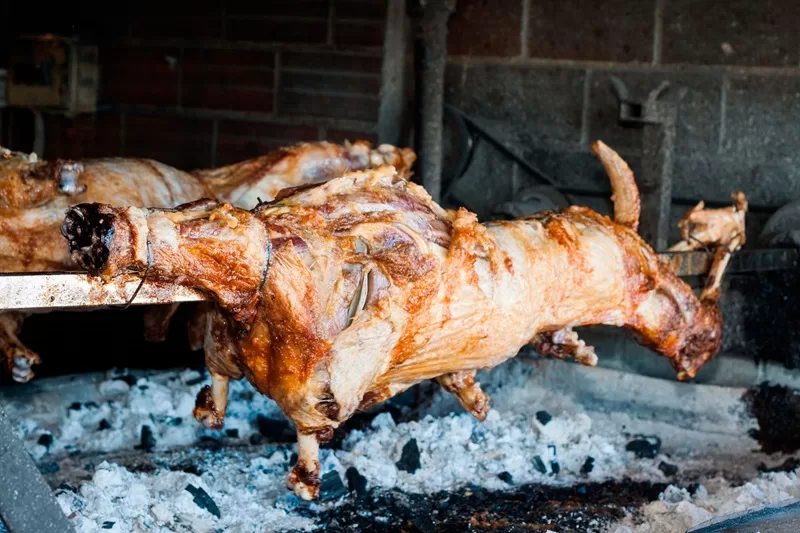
[(343, 295), (34, 195)]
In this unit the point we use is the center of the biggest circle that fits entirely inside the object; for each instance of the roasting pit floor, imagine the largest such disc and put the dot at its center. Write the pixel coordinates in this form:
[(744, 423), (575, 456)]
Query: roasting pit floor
[(566, 448)]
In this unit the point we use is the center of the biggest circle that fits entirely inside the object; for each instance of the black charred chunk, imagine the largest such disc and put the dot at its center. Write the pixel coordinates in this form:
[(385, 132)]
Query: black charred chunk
[(148, 441), (543, 417), (538, 464), (356, 482), (103, 425), (108, 524), (777, 409), (409, 457), (331, 486), (644, 446), (46, 439), (203, 500), (667, 468), (89, 233), (232, 433), (506, 477), (588, 465), (275, 430)]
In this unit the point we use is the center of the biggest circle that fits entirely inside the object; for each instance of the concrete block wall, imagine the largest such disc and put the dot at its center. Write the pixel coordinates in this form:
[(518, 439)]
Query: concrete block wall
[(536, 74), (198, 84)]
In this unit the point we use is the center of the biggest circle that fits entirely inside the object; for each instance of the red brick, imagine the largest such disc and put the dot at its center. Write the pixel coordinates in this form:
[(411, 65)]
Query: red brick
[(229, 98), (138, 75), (227, 57), (270, 30), (332, 61), (330, 82), (229, 76), (339, 106), (233, 149), (299, 8), (176, 7), (340, 136), (269, 130), (183, 143), (757, 33), (485, 28), (608, 30), (192, 26), (361, 9), (358, 33)]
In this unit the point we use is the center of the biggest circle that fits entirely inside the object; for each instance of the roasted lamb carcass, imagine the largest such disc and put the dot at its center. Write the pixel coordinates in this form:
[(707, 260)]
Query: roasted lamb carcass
[(340, 296), (34, 195)]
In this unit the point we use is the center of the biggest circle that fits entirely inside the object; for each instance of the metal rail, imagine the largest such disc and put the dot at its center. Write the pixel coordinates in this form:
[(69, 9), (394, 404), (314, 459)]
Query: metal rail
[(69, 290)]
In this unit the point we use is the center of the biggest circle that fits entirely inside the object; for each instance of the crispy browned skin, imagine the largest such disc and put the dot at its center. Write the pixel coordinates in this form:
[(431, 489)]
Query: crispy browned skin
[(343, 295), (702, 227), (34, 195)]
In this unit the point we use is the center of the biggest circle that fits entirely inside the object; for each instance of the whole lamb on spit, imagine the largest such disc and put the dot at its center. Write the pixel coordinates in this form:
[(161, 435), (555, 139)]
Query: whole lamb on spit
[(34, 195), (339, 296)]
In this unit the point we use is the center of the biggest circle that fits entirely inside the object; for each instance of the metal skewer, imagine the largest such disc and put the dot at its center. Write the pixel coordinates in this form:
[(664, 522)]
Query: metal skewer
[(69, 290)]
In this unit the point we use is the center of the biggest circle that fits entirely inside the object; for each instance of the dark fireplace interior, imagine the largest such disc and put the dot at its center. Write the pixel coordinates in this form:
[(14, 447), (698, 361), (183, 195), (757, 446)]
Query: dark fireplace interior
[(501, 101)]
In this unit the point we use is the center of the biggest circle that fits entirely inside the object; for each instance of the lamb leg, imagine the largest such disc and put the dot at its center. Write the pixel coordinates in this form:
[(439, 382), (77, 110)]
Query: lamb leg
[(468, 391), (211, 402), (304, 478)]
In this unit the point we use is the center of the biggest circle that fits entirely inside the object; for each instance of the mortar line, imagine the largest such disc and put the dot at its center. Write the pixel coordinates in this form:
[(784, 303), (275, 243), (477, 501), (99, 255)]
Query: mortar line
[(331, 17), (123, 122), (180, 77), (723, 104), (658, 31), (276, 80), (214, 140), (587, 90), (524, 28)]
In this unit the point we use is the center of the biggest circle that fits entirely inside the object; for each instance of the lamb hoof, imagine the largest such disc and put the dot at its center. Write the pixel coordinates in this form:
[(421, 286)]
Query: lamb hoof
[(206, 412), (304, 481), (21, 362)]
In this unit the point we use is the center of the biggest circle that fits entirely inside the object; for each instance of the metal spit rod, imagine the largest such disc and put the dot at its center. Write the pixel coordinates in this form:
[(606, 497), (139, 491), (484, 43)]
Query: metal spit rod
[(67, 290)]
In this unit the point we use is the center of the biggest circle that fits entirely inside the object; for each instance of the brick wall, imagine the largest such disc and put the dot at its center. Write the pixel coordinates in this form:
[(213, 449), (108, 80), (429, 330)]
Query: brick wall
[(203, 83), (536, 73)]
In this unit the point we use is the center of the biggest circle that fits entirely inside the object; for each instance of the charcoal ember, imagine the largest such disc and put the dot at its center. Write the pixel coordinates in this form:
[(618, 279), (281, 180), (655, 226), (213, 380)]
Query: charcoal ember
[(538, 464), (203, 500), (667, 468), (293, 458), (506, 477), (75, 406), (644, 446), (49, 468), (275, 430), (232, 433), (108, 524), (103, 425), (331, 486), (195, 381), (91, 405), (555, 468), (409, 457), (46, 439), (255, 439), (173, 421), (588, 465), (356, 482), (130, 380), (543, 417), (147, 441)]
